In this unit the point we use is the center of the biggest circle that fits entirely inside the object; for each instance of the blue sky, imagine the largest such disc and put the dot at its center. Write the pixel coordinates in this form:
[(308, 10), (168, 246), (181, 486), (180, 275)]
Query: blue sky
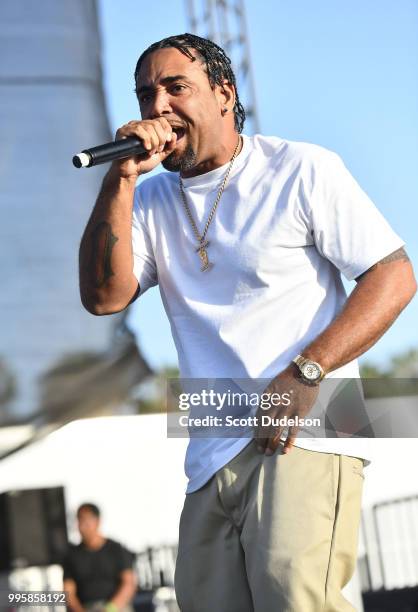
[(342, 75)]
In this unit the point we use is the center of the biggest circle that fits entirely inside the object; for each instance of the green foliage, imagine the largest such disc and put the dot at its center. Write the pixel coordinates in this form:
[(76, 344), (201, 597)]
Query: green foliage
[(368, 370), (398, 379), (155, 397)]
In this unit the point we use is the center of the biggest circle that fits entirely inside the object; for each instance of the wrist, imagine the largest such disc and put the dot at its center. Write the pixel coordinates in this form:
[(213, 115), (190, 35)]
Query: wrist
[(309, 371), (319, 356), (115, 178)]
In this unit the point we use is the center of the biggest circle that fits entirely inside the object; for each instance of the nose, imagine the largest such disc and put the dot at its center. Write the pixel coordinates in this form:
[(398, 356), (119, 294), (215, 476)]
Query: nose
[(160, 104)]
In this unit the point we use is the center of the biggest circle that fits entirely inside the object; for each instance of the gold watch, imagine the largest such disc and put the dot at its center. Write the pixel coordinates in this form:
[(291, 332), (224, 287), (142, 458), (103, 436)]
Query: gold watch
[(310, 371)]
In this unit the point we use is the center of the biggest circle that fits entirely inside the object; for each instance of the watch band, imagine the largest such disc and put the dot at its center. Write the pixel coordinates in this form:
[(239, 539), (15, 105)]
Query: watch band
[(301, 361)]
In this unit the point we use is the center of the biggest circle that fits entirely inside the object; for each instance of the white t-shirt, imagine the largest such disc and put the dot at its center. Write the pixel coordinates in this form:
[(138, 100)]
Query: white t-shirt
[(289, 221)]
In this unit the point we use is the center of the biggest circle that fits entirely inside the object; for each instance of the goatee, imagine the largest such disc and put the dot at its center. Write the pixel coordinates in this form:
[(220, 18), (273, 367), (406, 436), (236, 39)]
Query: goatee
[(180, 162)]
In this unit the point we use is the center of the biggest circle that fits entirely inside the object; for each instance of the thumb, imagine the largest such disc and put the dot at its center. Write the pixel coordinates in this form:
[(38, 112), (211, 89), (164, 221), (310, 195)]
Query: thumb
[(291, 439), (169, 147)]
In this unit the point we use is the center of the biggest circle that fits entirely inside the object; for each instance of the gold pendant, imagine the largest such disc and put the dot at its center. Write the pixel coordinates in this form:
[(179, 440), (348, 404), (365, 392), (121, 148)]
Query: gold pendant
[(201, 251)]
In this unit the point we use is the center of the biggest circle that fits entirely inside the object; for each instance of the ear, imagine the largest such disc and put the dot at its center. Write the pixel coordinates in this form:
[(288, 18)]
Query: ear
[(225, 95)]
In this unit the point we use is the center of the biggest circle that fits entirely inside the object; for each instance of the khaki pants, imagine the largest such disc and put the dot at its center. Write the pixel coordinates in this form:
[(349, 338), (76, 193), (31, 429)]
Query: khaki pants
[(271, 534)]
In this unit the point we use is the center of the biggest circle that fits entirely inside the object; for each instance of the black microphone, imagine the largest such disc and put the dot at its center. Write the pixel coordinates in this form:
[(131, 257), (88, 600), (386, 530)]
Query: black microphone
[(108, 152)]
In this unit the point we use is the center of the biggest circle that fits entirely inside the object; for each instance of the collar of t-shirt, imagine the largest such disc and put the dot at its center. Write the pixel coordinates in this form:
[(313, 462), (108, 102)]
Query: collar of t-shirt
[(214, 177)]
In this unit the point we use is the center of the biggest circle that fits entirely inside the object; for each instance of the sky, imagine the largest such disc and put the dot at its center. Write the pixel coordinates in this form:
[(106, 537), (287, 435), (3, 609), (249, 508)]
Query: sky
[(341, 75)]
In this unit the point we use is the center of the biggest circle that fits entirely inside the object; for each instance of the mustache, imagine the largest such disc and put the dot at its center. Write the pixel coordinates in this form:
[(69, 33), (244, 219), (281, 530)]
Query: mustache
[(177, 124)]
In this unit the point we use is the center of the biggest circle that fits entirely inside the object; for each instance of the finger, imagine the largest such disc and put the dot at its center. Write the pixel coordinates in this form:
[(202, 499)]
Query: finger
[(263, 435), (262, 445), (170, 146), (126, 130), (163, 135), (152, 133), (291, 439), (135, 128), (165, 124), (274, 442), (261, 439), (143, 130), (165, 152)]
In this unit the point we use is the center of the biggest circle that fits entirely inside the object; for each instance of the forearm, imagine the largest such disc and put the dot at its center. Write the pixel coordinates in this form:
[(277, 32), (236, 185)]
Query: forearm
[(74, 604), (125, 593), (370, 310), (381, 294), (105, 257)]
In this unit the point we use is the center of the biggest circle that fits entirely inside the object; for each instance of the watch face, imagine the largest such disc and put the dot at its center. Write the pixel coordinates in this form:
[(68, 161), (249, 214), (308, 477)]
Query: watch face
[(311, 371)]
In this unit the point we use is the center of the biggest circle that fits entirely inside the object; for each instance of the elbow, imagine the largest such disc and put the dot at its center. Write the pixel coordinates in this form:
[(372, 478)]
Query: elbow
[(407, 290), (411, 286), (100, 303), (413, 291), (101, 309), (133, 587)]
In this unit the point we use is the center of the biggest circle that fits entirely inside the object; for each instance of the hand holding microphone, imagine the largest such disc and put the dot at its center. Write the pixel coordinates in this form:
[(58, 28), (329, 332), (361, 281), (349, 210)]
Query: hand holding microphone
[(138, 148)]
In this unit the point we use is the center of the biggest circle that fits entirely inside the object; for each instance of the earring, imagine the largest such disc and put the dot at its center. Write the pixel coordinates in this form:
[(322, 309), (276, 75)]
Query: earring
[(224, 110)]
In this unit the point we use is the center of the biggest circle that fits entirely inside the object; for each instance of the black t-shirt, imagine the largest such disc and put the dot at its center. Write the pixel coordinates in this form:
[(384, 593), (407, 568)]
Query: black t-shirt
[(97, 572)]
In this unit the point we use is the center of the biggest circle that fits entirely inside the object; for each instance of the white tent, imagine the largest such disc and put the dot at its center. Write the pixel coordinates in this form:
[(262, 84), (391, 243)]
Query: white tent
[(128, 466)]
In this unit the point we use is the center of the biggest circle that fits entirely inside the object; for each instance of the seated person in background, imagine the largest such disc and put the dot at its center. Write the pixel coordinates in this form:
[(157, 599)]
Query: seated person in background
[(98, 574)]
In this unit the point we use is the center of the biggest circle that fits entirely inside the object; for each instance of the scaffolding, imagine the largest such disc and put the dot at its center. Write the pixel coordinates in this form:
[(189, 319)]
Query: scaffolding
[(224, 23)]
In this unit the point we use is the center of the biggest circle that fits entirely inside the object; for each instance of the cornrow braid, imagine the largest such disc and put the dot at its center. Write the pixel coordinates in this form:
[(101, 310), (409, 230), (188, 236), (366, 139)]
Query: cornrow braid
[(218, 64)]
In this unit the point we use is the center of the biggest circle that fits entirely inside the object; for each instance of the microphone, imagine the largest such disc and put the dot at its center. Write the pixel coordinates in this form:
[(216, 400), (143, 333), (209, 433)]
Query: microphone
[(126, 147)]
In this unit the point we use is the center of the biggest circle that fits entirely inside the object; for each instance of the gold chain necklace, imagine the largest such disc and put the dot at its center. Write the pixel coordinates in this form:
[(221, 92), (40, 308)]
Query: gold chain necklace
[(201, 250)]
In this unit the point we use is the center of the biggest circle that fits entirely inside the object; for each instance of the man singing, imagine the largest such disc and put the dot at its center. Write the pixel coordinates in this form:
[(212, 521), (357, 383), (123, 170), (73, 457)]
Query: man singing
[(247, 238)]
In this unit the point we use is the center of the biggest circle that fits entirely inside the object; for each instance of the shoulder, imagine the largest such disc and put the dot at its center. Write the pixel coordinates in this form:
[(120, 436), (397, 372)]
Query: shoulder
[(119, 552), (114, 546), (74, 549), (73, 553), (305, 156)]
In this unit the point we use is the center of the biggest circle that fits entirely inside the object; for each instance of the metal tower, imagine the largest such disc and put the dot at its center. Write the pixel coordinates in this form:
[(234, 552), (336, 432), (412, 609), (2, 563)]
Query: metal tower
[(224, 22)]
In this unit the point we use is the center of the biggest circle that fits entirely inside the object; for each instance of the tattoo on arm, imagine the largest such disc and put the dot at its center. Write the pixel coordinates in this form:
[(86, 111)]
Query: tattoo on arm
[(399, 255), (103, 241)]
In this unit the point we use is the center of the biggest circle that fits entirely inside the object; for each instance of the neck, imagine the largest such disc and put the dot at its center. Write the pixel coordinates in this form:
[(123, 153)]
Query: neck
[(222, 157), (94, 542)]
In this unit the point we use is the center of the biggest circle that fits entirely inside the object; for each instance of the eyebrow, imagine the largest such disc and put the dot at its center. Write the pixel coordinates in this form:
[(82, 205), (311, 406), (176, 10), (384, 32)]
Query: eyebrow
[(165, 81)]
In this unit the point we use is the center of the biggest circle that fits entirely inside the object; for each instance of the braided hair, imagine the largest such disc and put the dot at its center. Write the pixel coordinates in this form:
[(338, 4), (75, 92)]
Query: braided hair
[(218, 64)]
